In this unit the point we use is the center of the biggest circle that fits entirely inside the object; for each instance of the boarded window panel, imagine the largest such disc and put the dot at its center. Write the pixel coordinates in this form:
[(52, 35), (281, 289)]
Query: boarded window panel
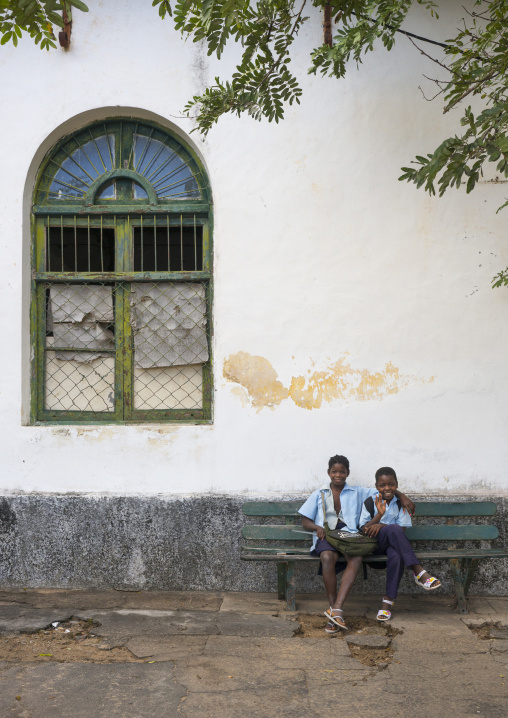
[(169, 324), (169, 388)]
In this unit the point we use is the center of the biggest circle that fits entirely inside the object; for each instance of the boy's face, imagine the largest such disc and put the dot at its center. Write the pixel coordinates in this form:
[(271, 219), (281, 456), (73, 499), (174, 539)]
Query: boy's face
[(386, 485), (338, 475)]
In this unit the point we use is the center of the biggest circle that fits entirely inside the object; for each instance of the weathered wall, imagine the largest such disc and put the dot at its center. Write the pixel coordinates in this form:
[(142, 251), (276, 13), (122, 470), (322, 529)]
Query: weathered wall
[(165, 543), (352, 313)]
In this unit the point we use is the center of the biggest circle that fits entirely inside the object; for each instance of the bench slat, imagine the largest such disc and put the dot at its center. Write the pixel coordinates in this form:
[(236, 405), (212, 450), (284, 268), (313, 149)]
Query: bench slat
[(442, 532), (441, 554), (423, 508)]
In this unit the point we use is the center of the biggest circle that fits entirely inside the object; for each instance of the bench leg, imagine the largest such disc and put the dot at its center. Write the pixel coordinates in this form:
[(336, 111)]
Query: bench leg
[(459, 585), (290, 587), (471, 566), (282, 569)]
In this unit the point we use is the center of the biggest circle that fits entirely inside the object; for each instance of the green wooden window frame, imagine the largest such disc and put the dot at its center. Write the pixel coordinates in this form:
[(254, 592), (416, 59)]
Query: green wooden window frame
[(122, 196)]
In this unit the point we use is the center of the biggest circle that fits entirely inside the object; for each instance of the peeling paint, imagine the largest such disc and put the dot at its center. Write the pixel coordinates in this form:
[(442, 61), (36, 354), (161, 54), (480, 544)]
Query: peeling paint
[(258, 376), (339, 381)]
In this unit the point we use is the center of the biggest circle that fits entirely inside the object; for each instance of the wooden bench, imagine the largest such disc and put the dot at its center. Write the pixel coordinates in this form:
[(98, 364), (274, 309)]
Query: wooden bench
[(283, 545)]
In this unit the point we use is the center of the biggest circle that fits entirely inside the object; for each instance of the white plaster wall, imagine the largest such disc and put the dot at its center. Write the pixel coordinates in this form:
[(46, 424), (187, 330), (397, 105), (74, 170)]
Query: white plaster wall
[(320, 256)]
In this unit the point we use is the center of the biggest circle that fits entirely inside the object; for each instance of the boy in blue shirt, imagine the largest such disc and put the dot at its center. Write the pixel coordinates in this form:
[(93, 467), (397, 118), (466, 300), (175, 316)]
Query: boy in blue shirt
[(382, 517)]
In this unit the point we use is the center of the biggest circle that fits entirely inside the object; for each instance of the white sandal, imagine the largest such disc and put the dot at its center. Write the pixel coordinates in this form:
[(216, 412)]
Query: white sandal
[(430, 584), (383, 615), (333, 619)]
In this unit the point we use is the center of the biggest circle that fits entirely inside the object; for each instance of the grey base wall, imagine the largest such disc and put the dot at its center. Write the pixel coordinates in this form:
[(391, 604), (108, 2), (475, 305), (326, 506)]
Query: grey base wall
[(168, 543)]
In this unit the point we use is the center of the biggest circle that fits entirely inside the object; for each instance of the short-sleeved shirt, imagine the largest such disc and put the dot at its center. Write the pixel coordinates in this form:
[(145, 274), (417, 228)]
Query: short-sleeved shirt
[(351, 501), (392, 515)]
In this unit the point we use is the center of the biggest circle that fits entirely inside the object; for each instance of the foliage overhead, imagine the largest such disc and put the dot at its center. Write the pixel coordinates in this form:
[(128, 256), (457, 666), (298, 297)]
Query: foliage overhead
[(472, 65), (35, 17)]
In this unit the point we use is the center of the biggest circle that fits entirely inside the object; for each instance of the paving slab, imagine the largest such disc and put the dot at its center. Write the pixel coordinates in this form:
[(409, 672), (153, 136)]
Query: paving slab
[(22, 619), (253, 603), (167, 648), (117, 627), (121, 690), (369, 641)]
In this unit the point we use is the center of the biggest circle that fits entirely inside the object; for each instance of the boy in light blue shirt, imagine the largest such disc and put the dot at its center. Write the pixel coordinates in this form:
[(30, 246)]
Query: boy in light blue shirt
[(383, 517)]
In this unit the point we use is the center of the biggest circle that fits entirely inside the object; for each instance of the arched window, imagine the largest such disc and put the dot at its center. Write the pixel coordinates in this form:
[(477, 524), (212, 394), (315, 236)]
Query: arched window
[(121, 289)]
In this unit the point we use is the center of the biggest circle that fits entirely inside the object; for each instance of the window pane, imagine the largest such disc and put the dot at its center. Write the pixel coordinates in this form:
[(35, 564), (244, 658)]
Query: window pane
[(81, 249), (84, 164), (168, 249), (170, 175), (80, 348), (107, 192)]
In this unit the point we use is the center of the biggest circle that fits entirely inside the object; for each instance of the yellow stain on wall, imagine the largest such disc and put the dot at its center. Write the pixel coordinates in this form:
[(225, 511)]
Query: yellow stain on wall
[(339, 381), (258, 376)]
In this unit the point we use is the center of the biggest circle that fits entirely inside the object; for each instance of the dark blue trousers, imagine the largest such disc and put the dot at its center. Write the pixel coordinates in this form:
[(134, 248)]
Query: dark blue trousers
[(393, 542)]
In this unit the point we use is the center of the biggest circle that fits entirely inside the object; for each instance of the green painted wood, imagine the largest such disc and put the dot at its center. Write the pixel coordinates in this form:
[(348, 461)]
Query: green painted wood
[(272, 508), (441, 532), (282, 569), (445, 555), (123, 214), (455, 508), (290, 586), (458, 584), (423, 508), (454, 532)]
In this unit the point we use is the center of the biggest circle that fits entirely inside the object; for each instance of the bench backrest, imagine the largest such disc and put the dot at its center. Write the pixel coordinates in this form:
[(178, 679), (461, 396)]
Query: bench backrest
[(449, 531)]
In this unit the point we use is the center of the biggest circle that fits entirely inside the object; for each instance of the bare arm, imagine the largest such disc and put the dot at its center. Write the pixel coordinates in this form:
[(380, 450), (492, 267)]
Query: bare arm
[(373, 527), (406, 502), (309, 525)]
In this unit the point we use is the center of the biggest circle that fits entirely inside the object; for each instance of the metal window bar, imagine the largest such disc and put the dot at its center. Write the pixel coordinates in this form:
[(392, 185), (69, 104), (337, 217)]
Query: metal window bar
[(98, 150), (181, 243), (131, 153), (140, 161), (88, 242), (75, 245), (169, 249), (102, 254), (61, 243), (154, 159), (195, 247), (158, 170), (155, 241), (109, 147), (64, 169), (78, 165), (88, 158), (48, 247), (142, 243)]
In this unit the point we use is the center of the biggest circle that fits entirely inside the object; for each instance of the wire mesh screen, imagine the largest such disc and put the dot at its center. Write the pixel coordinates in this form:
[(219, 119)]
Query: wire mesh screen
[(80, 347), (164, 330), (169, 326)]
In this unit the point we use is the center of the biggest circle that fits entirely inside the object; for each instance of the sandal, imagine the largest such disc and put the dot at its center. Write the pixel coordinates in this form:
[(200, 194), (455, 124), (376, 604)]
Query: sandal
[(430, 584), (337, 620), (383, 615), (331, 628)]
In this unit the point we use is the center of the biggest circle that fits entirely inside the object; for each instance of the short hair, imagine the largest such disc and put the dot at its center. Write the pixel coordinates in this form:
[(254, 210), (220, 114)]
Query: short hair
[(386, 471), (337, 459)]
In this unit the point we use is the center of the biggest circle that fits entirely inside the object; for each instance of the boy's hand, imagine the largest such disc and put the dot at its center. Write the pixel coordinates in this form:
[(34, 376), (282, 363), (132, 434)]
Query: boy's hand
[(373, 530), (407, 504), (320, 532), (380, 505)]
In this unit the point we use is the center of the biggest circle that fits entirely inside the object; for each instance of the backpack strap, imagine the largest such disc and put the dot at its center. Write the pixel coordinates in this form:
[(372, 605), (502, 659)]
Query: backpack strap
[(369, 505), (399, 504)]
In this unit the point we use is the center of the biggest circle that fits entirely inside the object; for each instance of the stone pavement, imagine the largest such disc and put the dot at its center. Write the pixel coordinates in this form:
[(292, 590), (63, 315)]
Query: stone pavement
[(216, 655)]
